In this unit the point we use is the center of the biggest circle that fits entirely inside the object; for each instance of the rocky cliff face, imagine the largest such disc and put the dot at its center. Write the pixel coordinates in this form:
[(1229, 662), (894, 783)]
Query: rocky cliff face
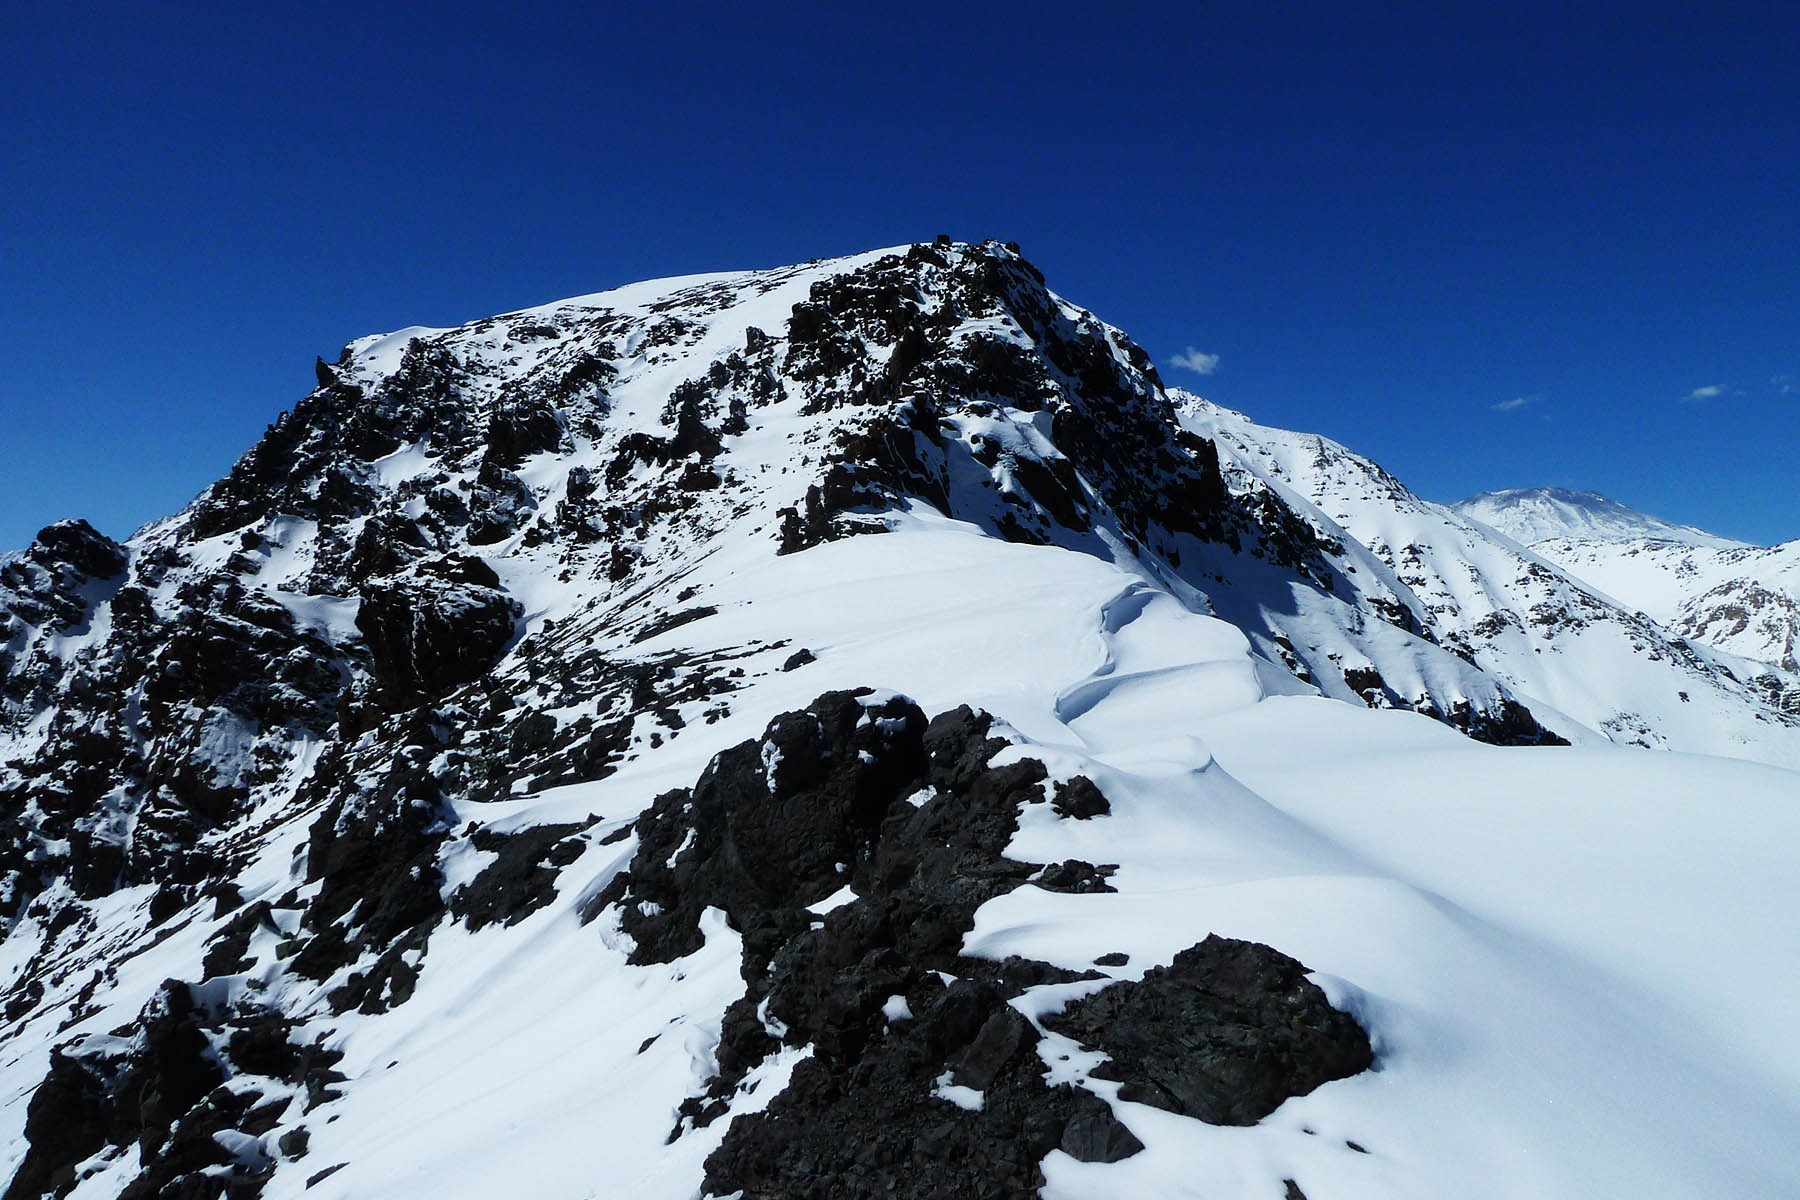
[(263, 761)]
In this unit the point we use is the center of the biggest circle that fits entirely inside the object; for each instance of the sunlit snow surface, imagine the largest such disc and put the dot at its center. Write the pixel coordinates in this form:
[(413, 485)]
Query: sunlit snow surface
[(1532, 515), (1577, 965), (1737, 597), (1598, 649)]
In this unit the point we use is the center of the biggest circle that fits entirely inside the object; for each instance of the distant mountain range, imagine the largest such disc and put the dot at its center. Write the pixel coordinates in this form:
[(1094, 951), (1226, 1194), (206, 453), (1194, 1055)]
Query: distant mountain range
[(1730, 595)]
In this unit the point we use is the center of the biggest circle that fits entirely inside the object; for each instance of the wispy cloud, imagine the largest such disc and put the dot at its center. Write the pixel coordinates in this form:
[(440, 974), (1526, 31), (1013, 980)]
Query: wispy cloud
[(1787, 385), (1515, 404), (1197, 361), (1711, 391)]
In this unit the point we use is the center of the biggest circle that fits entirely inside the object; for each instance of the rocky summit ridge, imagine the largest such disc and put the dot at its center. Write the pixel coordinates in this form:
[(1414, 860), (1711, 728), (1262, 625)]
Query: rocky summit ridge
[(378, 548), (587, 614)]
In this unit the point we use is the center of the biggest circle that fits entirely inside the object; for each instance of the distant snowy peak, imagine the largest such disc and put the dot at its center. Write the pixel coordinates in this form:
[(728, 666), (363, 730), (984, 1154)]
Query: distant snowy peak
[(1551, 620), (1734, 596), (1529, 515)]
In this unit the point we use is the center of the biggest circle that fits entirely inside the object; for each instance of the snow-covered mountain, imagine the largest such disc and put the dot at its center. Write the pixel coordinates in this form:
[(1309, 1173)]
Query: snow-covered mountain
[(1560, 644), (1741, 599), (846, 730), (1529, 515), (1735, 597)]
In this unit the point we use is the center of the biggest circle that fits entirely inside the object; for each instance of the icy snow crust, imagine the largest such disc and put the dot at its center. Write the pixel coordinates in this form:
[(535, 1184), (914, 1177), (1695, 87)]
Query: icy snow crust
[(1576, 964)]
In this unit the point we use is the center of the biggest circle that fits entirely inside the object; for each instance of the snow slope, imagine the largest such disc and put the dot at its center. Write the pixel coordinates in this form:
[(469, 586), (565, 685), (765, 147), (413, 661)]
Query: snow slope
[(373, 746), (1558, 641), (1559, 965), (1742, 599)]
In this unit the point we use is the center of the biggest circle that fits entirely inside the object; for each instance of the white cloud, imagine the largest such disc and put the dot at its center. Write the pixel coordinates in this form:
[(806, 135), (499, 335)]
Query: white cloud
[(1787, 385), (1711, 391), (1513, 405), (1197, 361)]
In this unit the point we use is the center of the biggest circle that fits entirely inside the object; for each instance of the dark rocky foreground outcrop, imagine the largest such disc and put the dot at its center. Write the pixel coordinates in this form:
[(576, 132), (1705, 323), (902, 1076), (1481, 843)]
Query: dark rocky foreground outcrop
[(862, 793), (856, 798), (190, 1088)]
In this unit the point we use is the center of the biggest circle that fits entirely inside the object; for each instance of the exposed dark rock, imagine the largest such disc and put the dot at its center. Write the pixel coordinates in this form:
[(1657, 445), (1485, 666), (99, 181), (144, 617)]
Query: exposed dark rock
[(909, 816), (498, 504), (1093, 1134), (87, 551), (777, 824), (522, 880), (1224, 1033), (534, 732), (881, 1132), (1074, 876), (49, 583), (1080, 799), (520, 429), (374, 852), (70, 1118), (1368, 683), (158, 1096), (387, 544), (442, 626), (673, 620), (583, 757), (1510, 724)]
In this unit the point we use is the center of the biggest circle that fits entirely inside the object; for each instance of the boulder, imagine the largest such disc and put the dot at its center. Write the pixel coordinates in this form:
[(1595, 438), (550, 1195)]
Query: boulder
[(444, 624)]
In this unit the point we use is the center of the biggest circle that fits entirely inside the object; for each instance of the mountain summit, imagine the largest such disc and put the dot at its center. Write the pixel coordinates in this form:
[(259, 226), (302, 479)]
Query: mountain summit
[(1529, 515), (847, 730)]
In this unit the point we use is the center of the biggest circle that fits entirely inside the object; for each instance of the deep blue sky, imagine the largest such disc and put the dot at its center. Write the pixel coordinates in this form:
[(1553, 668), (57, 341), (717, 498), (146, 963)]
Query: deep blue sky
[(1490, 248)]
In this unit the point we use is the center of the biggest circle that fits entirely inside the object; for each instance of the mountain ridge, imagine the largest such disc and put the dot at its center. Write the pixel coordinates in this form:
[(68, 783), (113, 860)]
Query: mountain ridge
[(1730, 595), (1517, 612), (676, 709)]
